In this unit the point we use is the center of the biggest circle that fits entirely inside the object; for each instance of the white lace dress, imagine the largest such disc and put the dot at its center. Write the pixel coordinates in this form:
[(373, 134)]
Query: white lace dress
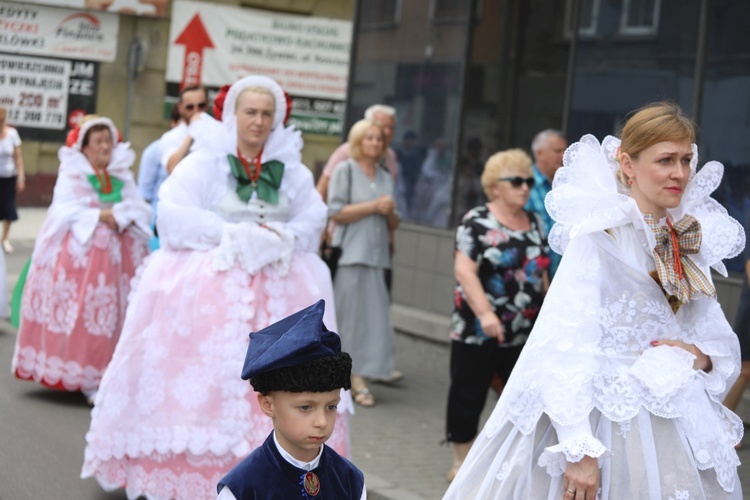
[(657, 426), (173, 416), (76, 291)]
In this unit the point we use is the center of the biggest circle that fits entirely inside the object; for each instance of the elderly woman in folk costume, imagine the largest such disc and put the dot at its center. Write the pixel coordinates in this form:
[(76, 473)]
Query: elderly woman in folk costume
[(637, 354), (239, 222), (95, 236)]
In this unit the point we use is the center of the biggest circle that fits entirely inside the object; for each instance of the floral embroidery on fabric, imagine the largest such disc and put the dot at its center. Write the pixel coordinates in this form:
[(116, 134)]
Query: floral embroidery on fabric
[(511, 264), (101, 308)]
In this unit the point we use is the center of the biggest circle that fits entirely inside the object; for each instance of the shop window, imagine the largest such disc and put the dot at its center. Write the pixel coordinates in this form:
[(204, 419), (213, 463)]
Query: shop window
[(450, 10), (588, 17), (380, 13), (640, 17)]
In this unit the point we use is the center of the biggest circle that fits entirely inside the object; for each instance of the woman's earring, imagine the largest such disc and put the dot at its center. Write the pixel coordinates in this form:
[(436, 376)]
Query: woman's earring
[(630, 181)]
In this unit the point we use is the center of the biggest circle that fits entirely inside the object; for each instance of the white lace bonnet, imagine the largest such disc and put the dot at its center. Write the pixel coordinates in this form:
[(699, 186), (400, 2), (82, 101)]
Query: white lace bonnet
[(76, 140), (228, 116)]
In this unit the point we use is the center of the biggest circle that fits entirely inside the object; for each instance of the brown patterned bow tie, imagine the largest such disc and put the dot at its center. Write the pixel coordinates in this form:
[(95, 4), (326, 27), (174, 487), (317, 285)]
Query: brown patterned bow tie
[(679, 275)]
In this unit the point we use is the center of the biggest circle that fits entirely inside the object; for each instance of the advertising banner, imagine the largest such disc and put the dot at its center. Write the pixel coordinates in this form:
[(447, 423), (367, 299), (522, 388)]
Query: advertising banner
[(44, 97), (214, 45), (54, 32), (156, 8)]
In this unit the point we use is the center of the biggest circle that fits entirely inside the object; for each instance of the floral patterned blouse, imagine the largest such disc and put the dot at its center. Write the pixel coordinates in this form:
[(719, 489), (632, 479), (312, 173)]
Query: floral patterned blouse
[(511, 267)]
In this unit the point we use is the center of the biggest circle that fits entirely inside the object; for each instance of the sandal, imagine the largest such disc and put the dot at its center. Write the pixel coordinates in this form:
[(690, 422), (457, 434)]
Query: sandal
[(363, 397)]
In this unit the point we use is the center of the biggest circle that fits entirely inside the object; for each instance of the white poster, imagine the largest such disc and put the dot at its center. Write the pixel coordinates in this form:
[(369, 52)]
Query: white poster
[(156, 8), (214, 45), (50, 31), (34, 91)]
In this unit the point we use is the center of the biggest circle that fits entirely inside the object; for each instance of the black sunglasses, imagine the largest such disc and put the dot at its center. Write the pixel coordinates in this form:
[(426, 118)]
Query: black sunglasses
[(201, 105), (517, 181)]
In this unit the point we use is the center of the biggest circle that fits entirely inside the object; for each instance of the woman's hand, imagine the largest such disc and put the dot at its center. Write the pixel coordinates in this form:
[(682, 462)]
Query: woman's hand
[(491, 326), (702, 361), (105, 216), (384, 205), (581, 481), (20, 184)]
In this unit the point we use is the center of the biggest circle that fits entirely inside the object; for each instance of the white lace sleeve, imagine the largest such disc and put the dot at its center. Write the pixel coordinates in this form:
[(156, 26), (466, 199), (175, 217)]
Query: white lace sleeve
[(575, 442), (309, 213), (132, 210), (186, 220), (70, 210)]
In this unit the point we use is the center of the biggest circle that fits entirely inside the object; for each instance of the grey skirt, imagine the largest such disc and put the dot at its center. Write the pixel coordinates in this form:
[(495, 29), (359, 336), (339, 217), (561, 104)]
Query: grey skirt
[(363, 314)]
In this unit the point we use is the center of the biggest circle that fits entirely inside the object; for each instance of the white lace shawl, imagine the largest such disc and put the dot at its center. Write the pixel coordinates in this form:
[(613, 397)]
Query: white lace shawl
[(188, 215), (603, 310), (75, 204)]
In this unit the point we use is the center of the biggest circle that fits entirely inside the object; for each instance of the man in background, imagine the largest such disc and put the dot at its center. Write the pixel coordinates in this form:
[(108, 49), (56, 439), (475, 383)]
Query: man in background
[(175, 144), (548, 148)]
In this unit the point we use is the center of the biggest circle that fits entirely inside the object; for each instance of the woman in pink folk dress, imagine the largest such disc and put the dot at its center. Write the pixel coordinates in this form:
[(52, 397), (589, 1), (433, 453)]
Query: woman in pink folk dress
[(95, 236), (239, 223)]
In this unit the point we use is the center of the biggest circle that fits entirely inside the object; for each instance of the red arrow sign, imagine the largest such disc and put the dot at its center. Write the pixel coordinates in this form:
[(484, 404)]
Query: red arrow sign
[(195, 38)]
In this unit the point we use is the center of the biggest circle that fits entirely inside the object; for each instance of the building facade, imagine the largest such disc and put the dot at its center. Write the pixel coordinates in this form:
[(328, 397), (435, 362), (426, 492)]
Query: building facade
[(471, 77)]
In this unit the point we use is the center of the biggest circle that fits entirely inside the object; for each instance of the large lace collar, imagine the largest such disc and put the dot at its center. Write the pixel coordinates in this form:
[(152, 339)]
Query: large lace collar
[(72, 161), (586, 198)]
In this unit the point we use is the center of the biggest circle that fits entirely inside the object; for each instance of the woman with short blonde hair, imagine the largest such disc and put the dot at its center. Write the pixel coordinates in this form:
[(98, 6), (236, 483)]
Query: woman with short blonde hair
[(501, 272), (360, 201)]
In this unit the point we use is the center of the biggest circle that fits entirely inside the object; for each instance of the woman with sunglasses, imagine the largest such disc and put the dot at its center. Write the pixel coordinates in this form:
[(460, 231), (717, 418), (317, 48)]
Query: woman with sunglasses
[(617, 394), (501, 268), (239, 225)]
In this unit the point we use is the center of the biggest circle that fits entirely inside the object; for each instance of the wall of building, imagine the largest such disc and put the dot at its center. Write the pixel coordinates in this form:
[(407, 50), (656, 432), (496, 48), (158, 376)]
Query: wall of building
[(148, 121)]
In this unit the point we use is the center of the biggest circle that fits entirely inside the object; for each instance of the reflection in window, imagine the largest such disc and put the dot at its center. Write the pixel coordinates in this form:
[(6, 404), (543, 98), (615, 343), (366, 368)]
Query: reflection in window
[(417, 68), (588, 17), (640, 17), (450, 10), (377, 13)]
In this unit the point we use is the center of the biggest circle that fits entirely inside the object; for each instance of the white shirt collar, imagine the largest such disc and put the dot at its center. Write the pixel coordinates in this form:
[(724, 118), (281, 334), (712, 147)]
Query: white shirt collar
[(308, 466)]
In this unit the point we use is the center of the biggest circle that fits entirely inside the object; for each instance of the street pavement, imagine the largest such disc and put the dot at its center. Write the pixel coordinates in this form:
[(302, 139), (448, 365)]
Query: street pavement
[(396, 443)]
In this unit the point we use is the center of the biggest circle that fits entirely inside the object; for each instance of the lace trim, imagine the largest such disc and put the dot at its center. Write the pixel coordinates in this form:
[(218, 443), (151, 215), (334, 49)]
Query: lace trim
[(30, 364), (555, 458)]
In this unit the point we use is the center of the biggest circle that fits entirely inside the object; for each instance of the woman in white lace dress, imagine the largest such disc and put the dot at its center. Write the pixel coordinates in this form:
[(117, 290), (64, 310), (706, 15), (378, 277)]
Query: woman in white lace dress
[(617, 394), (93, 239), (239, 226)]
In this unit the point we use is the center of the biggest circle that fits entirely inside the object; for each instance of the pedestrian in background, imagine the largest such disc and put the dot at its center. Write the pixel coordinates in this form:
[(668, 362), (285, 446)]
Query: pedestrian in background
[(93, 239), (548, 148), (176, 143), (501, 272), (360, 202), (239, 226), (617, 392), (151, 171), (386, 117), (12, 176)]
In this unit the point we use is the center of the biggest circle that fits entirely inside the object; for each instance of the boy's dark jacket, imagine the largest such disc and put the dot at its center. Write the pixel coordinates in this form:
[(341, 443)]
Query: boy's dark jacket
[(265, 475)]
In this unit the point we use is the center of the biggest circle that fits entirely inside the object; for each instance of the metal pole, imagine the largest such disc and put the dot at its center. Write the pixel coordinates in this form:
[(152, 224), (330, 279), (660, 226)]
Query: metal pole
[(350, 77), (135, 59), (575, 11), (700, 60)]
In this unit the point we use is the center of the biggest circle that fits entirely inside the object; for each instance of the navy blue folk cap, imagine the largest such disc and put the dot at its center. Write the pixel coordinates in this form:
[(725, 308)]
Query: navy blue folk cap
[(292, 341)]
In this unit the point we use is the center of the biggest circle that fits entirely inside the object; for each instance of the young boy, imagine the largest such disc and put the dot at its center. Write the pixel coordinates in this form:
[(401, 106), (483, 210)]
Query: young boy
[(297, 368)]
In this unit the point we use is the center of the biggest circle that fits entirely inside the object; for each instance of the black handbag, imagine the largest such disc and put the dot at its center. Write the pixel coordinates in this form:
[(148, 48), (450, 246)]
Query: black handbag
[(329, 253), (330, 256)]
